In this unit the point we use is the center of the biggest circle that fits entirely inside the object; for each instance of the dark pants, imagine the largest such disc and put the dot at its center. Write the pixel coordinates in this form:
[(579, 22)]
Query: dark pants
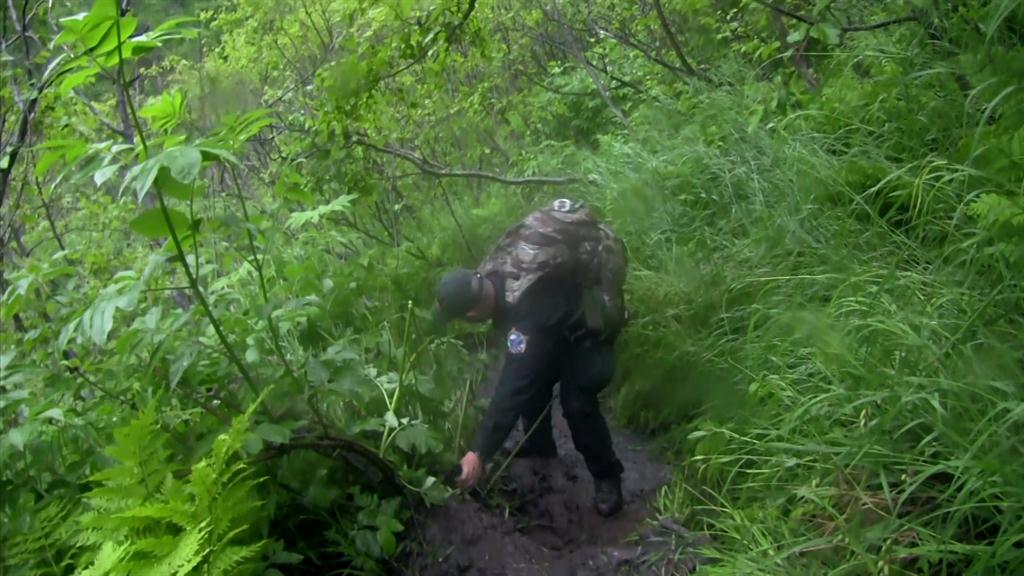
[(586, 368)]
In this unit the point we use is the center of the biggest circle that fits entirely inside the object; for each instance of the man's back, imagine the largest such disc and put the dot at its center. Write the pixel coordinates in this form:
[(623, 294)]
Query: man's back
[(565, 240)]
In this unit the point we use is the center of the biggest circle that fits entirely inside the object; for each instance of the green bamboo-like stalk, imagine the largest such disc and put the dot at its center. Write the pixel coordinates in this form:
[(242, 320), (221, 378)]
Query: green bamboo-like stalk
[(193, 283)]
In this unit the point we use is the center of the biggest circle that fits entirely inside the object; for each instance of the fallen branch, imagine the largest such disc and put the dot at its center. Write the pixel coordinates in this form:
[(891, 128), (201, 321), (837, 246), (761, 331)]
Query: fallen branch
[(435, 169), (359, 455)]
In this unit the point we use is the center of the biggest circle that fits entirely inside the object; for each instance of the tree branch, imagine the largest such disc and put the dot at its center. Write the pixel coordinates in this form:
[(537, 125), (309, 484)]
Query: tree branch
[(882, 24), (126, 135), (797, 53), (49, 218), (782, 10), (849, 28), (646, 52), (673, 41), (572, 46), (439, 171)]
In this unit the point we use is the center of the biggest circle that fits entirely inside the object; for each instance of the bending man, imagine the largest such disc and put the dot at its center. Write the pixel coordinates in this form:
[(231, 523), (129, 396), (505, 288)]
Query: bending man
[(553, 287)]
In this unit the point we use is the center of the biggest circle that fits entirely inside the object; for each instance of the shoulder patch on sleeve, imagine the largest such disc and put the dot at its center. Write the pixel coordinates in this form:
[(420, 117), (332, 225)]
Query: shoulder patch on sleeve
[(516, 342)]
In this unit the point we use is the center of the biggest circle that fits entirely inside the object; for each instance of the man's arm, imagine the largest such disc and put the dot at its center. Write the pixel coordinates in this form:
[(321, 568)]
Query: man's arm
[(528, 365)]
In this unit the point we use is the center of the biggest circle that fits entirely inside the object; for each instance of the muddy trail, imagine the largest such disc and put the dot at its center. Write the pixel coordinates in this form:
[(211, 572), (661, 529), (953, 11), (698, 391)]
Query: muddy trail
[(539, 519)]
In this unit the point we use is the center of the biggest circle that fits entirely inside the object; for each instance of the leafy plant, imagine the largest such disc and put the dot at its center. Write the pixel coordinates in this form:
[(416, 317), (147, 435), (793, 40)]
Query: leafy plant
[(141, 518)]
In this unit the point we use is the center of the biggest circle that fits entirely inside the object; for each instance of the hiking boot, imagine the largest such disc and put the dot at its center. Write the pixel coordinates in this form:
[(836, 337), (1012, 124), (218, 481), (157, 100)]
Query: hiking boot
[(608, 495)]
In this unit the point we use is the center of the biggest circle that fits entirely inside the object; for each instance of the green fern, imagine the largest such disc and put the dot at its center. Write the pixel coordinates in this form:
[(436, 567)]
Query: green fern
[(1003, 218), (42, 547), (143, 520), (994, 210), (108, 560), (232, 557)]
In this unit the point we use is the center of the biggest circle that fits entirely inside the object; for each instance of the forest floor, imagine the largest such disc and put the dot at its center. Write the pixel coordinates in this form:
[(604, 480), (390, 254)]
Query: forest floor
[(540, 519)]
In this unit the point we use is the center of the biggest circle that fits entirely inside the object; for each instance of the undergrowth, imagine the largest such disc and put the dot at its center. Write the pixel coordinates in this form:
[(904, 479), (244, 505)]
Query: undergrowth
[(853, 385), (222, 235)]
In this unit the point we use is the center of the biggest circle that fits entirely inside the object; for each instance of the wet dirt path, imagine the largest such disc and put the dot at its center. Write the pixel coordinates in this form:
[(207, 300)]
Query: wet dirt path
[(545, 523)]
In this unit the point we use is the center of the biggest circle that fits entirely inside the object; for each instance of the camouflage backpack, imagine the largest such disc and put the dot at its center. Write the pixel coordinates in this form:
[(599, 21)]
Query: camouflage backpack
[(567, 239)]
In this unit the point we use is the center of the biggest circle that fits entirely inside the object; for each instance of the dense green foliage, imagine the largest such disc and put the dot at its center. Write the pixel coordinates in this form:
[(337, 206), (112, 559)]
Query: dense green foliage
[(222, 222)]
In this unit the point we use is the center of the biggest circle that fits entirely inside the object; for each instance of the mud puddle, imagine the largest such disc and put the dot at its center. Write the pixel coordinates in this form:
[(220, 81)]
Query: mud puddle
[(540, 519)]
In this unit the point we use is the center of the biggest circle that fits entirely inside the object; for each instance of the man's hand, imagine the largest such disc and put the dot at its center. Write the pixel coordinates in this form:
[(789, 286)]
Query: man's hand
[(472, 470)]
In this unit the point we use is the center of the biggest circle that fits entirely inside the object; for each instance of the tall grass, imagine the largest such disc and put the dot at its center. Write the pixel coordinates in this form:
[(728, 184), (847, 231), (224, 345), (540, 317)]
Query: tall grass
[(842, 389)]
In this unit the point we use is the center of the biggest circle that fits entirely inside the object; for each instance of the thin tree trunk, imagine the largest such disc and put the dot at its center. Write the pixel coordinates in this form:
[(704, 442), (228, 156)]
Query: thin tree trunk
[(798, 58), (673, 41), (49, 219), (576, 51)]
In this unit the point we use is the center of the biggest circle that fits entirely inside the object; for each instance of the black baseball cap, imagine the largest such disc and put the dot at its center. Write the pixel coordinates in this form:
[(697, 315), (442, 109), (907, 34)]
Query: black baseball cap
[(458, 292)]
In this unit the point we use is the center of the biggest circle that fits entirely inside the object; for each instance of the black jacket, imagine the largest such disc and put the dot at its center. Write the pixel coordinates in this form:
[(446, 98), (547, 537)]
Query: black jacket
[(536, 329)]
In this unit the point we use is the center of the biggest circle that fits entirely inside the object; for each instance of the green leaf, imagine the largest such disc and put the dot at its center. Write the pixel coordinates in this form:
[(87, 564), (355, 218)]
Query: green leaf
[(299, 219), (175, 23), (184, 162), (94, 31), (110, 40), (55, 414), (252, 443), (826, 32), (273, 433), (418, 438), (108, 559), (252, 355), (151, 223), (72, 28), (135, 47), (105, 9), (104, 174), (7, 357), (142, 176), (820, 6), (171, 186), (98, 319), (167, 111), (316, 371), (57, 149), (12, 397), (180, 365), (390, 419), (797, 35), (245, 127), (45, 161), (367, 543), (291, 185), (216, 154), (387, 542), (17, 437), (78, 78), (388, 522)]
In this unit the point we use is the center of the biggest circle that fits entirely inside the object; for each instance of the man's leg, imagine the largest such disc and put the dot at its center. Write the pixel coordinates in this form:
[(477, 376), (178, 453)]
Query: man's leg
[(541, 443), (587, 371)]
